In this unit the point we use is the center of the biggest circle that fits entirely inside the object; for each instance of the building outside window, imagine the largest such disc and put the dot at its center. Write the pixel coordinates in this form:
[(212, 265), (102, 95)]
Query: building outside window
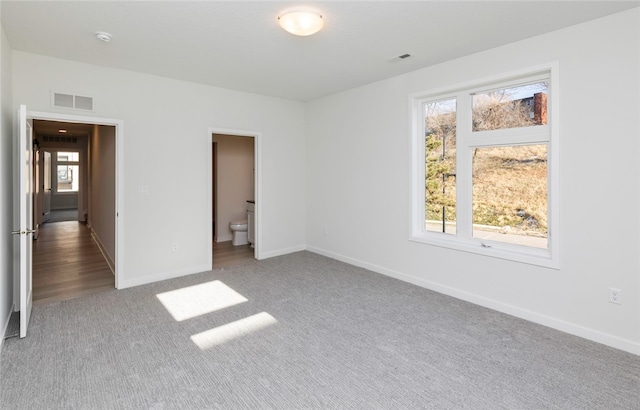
[(67, 171)]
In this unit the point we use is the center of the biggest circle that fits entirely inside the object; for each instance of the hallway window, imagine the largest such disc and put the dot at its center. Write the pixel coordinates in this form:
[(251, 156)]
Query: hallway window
[(68, 171)]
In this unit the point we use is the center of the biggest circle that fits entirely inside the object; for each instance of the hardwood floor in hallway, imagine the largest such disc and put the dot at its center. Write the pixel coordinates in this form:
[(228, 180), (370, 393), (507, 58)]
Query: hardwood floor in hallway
[(67, 263), (225, 254)]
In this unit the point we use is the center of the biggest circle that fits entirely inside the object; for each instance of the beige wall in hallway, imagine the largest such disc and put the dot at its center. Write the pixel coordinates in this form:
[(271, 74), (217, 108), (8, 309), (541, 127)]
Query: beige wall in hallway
[(102, 198)]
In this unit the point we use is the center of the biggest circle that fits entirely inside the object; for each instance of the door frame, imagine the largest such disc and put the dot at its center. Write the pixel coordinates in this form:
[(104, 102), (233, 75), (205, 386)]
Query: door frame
[(119, 182), (46, 169), (257, 164)]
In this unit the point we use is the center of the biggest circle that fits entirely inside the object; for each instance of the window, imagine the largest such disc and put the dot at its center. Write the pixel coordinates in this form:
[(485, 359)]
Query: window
[(68, 171), (484, 178)]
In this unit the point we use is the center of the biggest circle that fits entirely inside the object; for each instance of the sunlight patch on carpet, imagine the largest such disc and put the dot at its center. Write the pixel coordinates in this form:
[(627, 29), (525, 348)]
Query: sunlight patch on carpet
[(197, 300), (230, 331)]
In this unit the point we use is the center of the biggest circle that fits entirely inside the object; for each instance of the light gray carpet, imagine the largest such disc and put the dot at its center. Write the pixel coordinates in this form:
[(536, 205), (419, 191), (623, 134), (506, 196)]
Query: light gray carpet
[(341, 338), (62, 215)]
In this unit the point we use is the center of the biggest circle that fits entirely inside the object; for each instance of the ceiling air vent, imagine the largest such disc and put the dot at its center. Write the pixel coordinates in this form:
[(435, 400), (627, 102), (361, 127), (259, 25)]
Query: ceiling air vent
[(399, 58), (76, 102)]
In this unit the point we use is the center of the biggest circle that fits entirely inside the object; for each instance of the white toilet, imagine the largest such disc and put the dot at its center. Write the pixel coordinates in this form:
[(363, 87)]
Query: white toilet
[(239, 232)]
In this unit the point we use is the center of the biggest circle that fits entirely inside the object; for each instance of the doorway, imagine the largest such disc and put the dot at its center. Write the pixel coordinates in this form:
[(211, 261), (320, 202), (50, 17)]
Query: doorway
[(234, 193), (75, 209), (60, 196)]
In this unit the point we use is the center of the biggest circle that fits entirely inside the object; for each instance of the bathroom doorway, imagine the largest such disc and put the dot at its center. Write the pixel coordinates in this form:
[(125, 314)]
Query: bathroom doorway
[(233, 196)]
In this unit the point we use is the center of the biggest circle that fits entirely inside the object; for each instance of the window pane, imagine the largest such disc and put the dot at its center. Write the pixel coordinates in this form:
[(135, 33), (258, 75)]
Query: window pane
[(440, 162), (68, 178), (510, 194), (520, 106), (69, 156)]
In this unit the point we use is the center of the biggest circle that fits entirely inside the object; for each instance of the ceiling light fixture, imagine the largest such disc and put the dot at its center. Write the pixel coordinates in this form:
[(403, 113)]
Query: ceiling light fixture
[(62, 131), (301, 23), (106, 37)]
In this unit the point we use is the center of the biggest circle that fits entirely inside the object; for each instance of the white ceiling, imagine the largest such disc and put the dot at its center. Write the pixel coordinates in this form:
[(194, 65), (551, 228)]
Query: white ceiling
[(238, 44)]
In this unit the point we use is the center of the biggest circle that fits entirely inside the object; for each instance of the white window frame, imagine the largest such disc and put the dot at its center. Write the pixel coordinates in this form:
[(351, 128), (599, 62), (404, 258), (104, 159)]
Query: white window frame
[(55, 164), (466, 141)]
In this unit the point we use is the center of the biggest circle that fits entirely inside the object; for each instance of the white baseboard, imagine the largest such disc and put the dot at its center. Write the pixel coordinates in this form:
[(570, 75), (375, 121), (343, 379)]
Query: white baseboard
[(555, 323), (280, 252), (157, 277), (103, 251)]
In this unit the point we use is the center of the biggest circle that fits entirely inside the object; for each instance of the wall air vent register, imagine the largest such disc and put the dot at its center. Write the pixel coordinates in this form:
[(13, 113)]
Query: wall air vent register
[(74, 102)]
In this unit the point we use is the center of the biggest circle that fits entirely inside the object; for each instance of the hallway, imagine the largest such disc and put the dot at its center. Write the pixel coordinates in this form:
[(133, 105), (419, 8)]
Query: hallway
[(67, 264)]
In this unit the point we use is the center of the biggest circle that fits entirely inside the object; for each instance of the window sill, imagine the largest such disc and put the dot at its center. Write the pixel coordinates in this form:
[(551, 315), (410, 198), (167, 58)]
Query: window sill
[(514, 253)]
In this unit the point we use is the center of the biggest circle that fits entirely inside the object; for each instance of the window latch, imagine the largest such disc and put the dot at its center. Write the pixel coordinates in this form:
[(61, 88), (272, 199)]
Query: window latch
[(484, 245)]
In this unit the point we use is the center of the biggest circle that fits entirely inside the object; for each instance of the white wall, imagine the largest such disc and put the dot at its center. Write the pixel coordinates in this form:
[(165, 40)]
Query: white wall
[(358, 184), (6, 184), (64, 201), (102, 198), (234, 181), (166, 125)]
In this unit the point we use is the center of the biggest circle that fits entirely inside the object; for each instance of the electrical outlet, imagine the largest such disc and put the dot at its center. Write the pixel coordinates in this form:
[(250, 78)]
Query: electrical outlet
[(615, 295), (174, 247), (325, 231)]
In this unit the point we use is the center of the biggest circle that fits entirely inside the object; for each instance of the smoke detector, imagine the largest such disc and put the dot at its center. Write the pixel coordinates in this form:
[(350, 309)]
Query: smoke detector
[(103, 36)]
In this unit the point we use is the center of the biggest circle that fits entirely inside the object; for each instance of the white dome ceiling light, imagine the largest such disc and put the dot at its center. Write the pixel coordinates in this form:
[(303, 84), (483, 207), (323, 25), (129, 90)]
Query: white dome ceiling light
[(301, 23)]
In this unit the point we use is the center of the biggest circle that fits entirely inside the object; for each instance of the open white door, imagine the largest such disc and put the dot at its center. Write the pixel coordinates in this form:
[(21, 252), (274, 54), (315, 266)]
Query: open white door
[(25, 230)]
